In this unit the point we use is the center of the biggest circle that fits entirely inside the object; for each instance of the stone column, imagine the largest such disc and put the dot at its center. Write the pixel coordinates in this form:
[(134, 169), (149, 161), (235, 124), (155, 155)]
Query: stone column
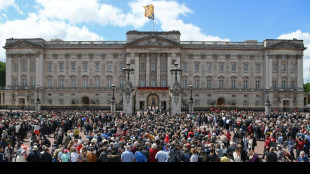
[(29, 71), (147, 79), (158, 69), (1, 102), (279, 57), (169, 80), (300, 73), (9, 69), (19, 71), (137, 69)]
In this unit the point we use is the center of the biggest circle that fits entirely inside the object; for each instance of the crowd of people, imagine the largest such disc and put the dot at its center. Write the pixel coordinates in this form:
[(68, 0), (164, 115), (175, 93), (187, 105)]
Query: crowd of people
[(214, 136)]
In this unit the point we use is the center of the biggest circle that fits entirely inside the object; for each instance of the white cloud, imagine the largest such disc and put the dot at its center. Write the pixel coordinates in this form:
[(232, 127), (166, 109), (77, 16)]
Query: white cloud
[(306, 38), (167, 14), (35, 26), (4, 4)]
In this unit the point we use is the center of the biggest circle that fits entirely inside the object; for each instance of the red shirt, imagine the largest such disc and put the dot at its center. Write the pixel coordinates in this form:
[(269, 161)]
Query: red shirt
[(78, 148), (228, 136), (152, 153), (267, 142), (250, 129), (300, 145), (190, 133)]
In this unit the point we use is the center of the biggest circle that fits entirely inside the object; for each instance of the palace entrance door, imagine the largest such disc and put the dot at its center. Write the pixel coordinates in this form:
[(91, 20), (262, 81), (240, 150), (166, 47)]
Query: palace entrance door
[(152, 101)]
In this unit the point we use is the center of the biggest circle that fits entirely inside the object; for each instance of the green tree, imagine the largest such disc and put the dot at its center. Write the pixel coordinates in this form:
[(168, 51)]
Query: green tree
[(2, 74), (307, 87)]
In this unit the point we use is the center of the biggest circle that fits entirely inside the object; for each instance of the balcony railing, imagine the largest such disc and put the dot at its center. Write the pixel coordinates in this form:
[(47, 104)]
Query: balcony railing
[(221, 43), (82, 43)]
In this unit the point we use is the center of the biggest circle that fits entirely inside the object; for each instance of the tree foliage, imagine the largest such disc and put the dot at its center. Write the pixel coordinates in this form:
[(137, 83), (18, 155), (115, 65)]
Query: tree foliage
[(2, 74), (307, 87)]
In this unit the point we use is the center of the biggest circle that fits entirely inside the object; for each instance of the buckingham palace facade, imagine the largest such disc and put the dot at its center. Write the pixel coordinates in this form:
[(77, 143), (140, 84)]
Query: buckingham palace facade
[(234, 74)]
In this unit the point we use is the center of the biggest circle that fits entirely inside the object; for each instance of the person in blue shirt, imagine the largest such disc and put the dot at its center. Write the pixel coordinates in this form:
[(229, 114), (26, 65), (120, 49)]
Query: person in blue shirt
[(139, 156), (302, 157), (127, 156)]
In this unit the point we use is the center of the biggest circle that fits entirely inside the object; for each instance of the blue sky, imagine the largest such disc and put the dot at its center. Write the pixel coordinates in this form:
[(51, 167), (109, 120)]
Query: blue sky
[(222, 20)]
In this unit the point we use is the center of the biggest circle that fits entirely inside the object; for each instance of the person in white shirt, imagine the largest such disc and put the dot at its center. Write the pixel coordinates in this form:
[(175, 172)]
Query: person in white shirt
[(162, 156), (194, 157), (237, 156), (74, 155)]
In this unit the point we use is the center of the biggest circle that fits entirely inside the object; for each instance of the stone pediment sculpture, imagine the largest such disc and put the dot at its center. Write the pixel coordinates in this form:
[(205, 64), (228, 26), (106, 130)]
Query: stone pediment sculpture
[(156, 41), (286, 45), (22, 44)]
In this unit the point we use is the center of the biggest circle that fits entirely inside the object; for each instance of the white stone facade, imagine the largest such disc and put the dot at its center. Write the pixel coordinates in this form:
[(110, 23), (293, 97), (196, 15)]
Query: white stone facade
[(222, 73)]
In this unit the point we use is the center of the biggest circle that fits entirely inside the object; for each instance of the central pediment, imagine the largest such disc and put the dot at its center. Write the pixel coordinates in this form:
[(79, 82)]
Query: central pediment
[(22, 44), (153, 41), (286, 45)]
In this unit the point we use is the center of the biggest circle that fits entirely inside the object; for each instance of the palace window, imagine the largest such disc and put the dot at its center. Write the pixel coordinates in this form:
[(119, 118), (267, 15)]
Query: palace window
[(274, 84), (85, 66), (142, 66), (153, 83), (245, 67), (15, 67), (49, 66), (221, 67), (233, 67), (85, 83), (209, 84), (97, 83), (61, 83), (184, 83), (245, 84), (61, 66), (73, 66), (196, 67), (73, 83), (292, 84), (197, 83), (221, 84), (274, 67), (233, 84), (163, 83), (97, 66), (283, 84), (257, 67), (209, 67), (142, 83), (257, 84)]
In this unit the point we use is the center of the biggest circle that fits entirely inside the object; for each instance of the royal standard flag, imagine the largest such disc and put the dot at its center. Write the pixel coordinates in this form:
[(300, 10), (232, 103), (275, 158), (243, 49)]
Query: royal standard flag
[(149, 11)]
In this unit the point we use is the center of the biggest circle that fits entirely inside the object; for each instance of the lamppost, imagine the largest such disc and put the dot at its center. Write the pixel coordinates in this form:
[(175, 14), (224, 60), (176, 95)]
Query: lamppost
[(267, 104), (38, 107), (113, 99), (128, 70), (176, 70), (191, 101)]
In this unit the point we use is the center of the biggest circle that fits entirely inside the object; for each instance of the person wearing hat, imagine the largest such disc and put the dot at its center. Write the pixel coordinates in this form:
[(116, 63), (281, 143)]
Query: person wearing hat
[(65, 157), (34, 155)]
